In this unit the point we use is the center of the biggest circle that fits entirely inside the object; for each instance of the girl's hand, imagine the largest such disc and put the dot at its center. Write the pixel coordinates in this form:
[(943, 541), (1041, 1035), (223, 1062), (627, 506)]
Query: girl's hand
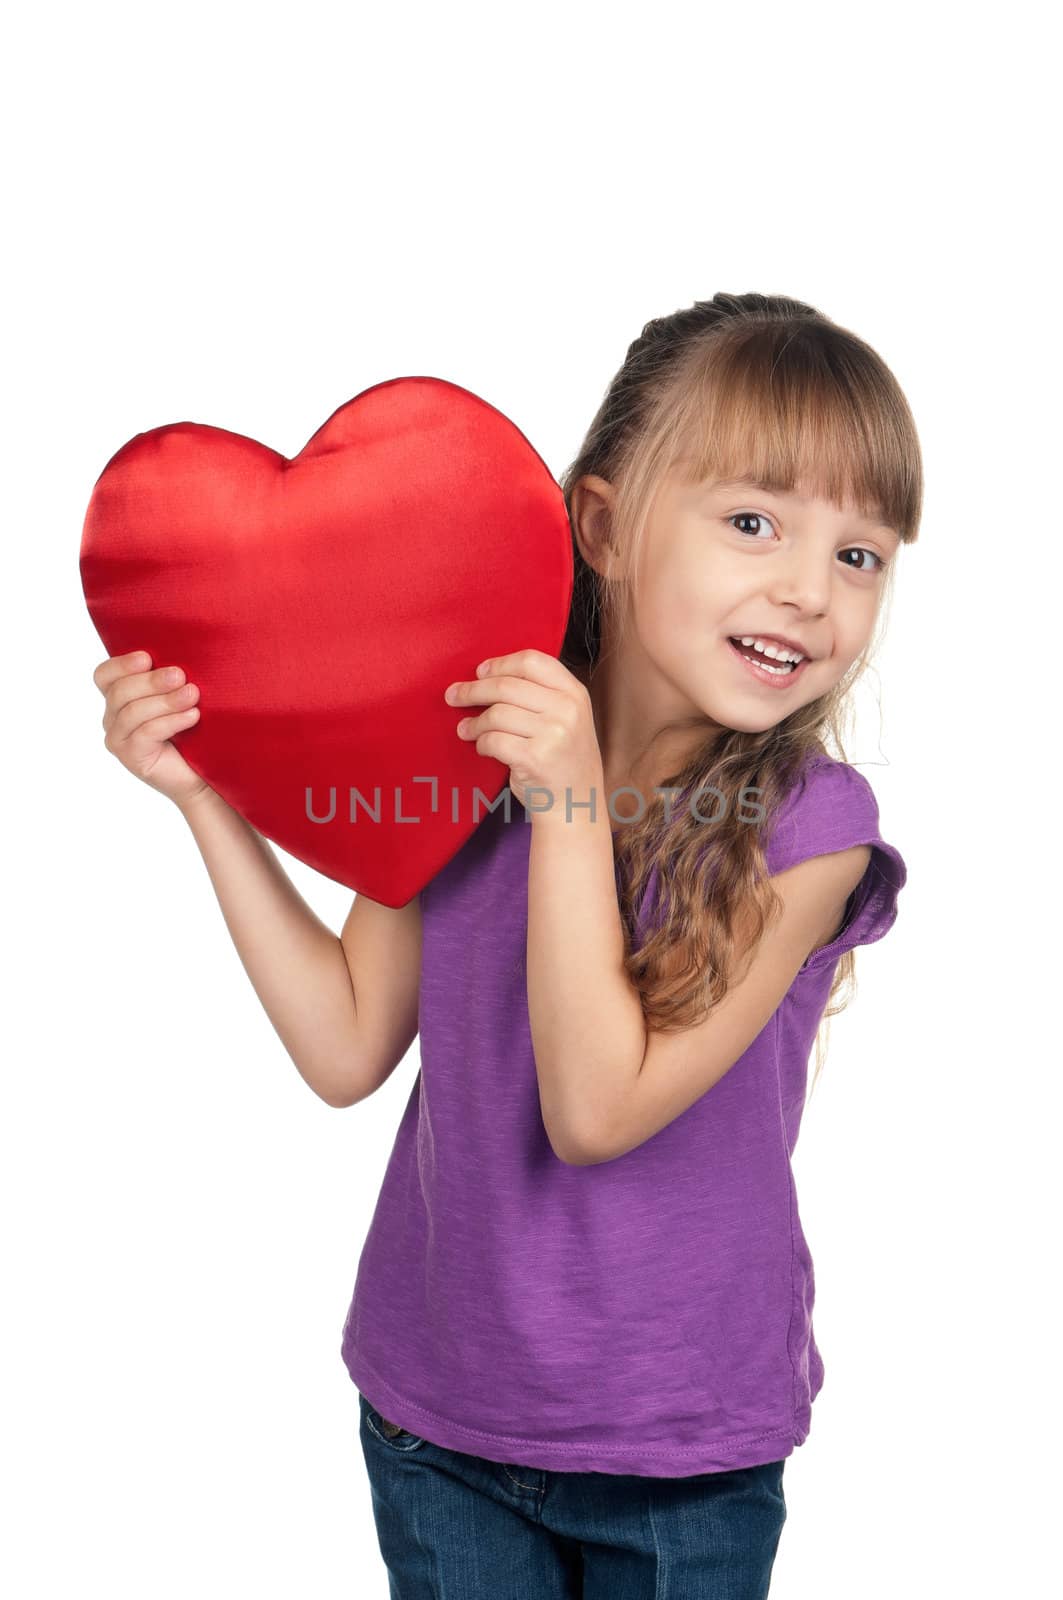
[(144, 708), (539, 721)]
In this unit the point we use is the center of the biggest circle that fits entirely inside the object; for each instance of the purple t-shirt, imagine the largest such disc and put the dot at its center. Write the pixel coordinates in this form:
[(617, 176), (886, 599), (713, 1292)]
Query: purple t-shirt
[(651, 1314)]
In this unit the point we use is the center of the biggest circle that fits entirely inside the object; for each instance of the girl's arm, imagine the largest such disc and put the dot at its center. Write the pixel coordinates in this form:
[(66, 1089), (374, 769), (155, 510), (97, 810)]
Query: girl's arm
[(605, 1084), (678, 1068), (587, 1026), (345, 1008)]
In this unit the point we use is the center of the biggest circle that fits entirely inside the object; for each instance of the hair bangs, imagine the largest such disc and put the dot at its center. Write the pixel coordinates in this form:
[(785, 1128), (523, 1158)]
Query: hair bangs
[(793, 409)]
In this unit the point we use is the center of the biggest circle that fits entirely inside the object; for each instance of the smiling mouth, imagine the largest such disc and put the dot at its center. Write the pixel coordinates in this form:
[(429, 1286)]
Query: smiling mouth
[(763, 667), (751, 653)]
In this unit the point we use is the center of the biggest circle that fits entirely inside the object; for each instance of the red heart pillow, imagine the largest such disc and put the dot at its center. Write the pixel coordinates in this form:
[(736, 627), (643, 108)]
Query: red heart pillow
[(323, 603)]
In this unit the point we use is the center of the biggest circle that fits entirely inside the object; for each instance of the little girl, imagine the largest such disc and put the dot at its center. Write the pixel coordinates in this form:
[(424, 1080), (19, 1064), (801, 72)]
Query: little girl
[(581, 1329)]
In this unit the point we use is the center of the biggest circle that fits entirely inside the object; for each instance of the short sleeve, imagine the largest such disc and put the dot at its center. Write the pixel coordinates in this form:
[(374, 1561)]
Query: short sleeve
[(833, 807)]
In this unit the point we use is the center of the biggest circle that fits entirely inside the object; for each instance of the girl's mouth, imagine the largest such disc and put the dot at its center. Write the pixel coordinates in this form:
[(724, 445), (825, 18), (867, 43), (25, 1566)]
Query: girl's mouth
[(773, 674)]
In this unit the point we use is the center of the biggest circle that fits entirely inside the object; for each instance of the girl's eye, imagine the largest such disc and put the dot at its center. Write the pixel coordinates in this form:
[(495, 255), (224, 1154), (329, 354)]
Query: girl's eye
[(748, 516), (874, 556)]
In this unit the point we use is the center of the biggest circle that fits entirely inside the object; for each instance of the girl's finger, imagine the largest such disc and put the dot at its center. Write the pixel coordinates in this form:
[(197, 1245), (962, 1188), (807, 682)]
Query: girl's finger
[(504, 747), (122, 721), (513, 690), (157, 729), (120, 666), (500, 719), (535, 665)]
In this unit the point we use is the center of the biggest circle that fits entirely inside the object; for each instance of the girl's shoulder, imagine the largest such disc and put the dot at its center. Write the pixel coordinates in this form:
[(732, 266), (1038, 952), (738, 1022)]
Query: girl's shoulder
[(832, 806), (829, 806)]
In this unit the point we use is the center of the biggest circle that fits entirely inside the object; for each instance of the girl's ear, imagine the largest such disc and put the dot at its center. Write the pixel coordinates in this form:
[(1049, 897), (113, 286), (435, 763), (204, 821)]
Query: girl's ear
[(592, 510)]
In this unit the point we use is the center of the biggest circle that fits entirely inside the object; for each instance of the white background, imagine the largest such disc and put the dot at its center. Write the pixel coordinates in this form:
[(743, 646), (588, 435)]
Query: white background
[(245, 215)]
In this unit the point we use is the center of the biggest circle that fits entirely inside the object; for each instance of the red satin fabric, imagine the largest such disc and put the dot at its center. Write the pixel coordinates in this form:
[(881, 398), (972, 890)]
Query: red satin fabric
[(323, 603)]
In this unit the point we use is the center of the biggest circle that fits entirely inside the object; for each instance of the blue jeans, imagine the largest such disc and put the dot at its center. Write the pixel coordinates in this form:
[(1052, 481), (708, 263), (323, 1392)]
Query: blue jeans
[(453, 1526)]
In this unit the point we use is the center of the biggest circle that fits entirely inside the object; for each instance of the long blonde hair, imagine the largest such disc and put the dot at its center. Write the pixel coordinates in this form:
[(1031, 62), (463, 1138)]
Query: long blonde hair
[(747, 386)]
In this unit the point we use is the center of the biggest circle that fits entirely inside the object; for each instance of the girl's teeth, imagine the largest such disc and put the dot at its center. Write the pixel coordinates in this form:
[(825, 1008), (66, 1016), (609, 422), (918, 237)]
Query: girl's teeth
[(765, 657), (777, 652)]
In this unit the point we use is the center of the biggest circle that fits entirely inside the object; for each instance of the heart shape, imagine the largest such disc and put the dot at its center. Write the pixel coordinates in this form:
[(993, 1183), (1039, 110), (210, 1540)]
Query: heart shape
[(324, 603)]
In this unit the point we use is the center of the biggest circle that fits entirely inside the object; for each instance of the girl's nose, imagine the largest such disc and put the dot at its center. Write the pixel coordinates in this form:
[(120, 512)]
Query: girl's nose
[(803, 582)]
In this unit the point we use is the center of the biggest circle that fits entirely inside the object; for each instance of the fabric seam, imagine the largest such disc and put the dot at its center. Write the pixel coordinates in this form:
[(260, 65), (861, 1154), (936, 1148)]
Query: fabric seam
[(790, 1203), (733, 1443)]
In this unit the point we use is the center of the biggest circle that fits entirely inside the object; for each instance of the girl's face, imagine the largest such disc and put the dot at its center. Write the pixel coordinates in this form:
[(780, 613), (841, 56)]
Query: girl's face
[(726, 561)]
